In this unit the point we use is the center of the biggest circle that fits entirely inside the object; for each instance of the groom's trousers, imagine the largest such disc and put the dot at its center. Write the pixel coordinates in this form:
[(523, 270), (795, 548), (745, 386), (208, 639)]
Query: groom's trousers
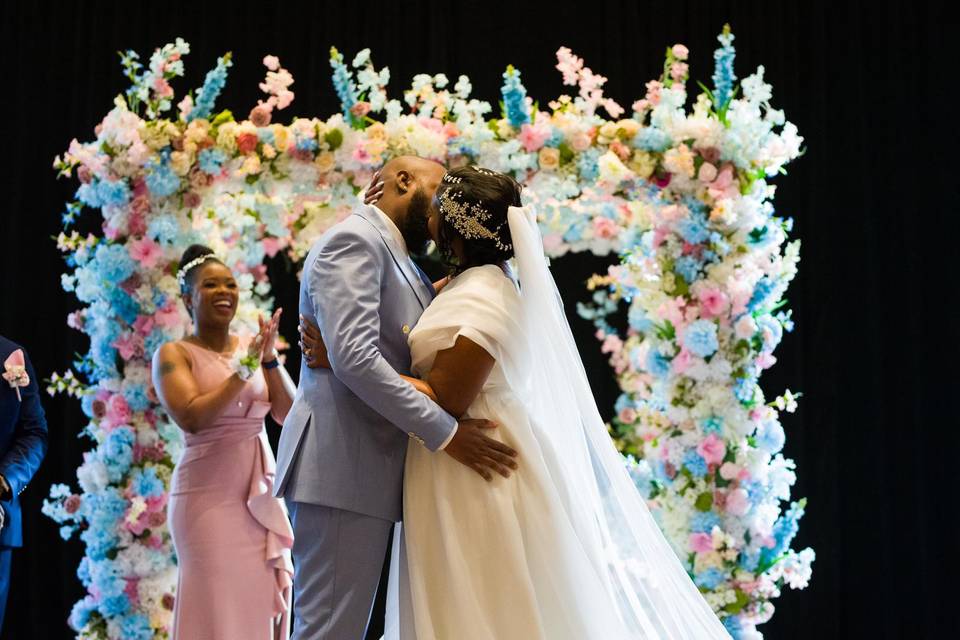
[(338, 557)]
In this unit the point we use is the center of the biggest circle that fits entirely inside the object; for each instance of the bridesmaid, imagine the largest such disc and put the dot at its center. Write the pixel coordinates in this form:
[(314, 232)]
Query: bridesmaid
[(232, 537)]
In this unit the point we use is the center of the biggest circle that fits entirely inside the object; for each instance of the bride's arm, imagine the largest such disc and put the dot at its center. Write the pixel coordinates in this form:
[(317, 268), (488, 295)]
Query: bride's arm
[(454, 382)]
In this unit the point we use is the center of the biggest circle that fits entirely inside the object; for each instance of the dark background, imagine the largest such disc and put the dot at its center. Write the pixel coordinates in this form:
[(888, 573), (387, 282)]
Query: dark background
[(874, 199)]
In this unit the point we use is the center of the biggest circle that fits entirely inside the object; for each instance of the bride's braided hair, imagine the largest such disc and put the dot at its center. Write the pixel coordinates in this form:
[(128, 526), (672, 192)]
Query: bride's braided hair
[(473, 206)]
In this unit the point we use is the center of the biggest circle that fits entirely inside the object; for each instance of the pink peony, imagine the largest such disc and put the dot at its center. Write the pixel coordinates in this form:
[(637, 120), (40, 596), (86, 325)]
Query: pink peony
[(146, 252), (144, 325), (604, 228), (712, 449), (533, 136), (700, 542), (713, 302), (738, 502), (118, 411)]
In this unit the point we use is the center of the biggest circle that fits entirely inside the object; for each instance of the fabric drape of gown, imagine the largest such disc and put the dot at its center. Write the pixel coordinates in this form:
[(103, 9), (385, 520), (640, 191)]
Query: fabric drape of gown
[(232, 537), (504, 559)]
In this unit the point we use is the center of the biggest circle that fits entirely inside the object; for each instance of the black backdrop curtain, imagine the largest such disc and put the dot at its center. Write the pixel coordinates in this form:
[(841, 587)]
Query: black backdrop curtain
[(875, 201)]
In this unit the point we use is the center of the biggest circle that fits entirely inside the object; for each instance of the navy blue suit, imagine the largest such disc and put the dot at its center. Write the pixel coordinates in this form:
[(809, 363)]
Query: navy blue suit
[(23, 443)]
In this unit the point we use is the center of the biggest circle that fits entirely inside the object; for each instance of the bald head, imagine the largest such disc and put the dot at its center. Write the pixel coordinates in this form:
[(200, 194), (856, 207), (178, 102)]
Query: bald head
[(409, 185)]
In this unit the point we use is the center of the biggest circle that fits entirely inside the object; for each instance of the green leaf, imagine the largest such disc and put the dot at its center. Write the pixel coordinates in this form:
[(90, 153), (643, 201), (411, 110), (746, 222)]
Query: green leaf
[(704, 502), (224, 116), (566, 153), (736, 606), (334, 138)]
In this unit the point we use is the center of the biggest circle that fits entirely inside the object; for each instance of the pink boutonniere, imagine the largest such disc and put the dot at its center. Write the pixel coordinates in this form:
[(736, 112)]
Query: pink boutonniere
[(16, 371)]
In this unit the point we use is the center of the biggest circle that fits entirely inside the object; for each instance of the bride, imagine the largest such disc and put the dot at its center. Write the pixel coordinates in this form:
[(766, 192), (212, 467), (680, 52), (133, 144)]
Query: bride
[(565, 548)]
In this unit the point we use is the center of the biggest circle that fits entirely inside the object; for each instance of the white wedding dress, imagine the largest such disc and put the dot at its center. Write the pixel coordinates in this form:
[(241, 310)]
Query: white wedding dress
[(565, 548)]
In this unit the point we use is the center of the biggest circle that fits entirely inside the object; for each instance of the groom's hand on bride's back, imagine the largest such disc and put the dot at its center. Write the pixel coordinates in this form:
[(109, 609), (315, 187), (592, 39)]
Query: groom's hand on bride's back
[(473, 448)]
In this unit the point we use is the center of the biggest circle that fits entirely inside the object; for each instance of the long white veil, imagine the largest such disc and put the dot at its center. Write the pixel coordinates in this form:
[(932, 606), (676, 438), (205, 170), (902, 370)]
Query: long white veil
[(654, 595)]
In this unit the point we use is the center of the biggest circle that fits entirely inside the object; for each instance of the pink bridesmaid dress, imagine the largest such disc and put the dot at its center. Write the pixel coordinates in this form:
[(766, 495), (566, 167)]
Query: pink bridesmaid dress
[(232, 537)]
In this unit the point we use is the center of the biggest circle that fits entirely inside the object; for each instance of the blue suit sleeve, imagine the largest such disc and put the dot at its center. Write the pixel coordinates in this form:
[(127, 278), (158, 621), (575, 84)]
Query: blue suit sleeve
[(344, 285), (29, 444)]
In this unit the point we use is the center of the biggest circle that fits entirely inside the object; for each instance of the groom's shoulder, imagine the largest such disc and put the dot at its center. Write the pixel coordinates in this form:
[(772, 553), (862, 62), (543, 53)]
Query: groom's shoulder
[(7, 347), (354, 230)]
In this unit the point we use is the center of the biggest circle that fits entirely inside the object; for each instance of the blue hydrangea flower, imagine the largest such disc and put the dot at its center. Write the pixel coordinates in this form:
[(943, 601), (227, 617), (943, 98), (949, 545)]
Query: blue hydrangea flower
[(136, 397), (642, 475), (657, 365), (743, 390), (693, 229), (556, 137), (147, 484), (770, 436), (113, 192), (213, 84), (160, 178), (652, 139), (749, 559), (136, 626), (117, 452), (700, 338), (704, 522), (695, 464), (81, 613), (733, 626), (114, 263), (784, 531), (515, 98), (688, 267), (773, 329), (210, 160), (115, 605), (761, 293), (709, 579), (713, 424), (638, 319), (588, 166)]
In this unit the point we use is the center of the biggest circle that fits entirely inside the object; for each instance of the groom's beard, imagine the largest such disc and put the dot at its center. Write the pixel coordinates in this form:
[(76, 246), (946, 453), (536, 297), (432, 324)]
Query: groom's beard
[(414, 228)]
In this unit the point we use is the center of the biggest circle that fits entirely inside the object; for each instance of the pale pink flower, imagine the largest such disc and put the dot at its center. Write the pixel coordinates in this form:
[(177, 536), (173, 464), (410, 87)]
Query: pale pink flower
[(271, 62), (360, 109), (118, 411), (168, 316), (580, 141), (682, 361), (144, 324), (72, 504), (146, 252), (738, 502), (627, 415), (678, 71), (533, 136), (75, 320), (680, 52), (707, 173), (712, 449), (713, 302), (641, 106), (247, 142), (128, 346), (729, 471), (766, 360), (271, 246), (604, 228), (672, 310), (700, 542)]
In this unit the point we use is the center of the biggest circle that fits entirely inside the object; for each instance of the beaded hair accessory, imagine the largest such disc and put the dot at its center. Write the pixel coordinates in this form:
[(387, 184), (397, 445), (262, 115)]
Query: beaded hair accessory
[(469, 218), (182, 274)]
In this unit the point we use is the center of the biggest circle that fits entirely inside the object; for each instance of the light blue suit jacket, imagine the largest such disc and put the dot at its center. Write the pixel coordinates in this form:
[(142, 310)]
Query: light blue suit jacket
[(345, 438)]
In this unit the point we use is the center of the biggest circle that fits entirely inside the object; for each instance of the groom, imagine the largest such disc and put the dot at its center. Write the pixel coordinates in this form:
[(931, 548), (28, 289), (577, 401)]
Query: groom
[(341, 455)]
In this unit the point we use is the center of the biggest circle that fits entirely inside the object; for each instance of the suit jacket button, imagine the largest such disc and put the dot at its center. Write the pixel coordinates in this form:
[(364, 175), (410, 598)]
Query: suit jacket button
[(406, 328)]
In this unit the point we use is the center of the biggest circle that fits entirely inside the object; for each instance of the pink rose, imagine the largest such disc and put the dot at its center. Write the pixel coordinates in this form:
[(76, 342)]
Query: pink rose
[(532, 136), (623, 151), (271, 62), (118, 411), (144, 325), (271, 246), (129, 345), (260, 115), (738, 502), (710, 154), (712, 449), (745, 327), (156, 519), (131, 589), (700, 542), (360, 109), (713, 302), (84, 174), (191, 200), (580, 142), (604, 228), (627, 415), (246, 142), (136, 224), (680, 52), (168, 316), (678, 70), (146, 252), (72, 504)]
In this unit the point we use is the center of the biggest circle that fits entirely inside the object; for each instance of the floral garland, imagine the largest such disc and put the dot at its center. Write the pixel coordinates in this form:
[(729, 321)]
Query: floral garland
[(683, 196)]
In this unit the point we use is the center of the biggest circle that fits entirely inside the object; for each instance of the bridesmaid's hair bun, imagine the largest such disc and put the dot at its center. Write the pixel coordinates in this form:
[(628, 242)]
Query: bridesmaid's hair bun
[(193, 257)]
